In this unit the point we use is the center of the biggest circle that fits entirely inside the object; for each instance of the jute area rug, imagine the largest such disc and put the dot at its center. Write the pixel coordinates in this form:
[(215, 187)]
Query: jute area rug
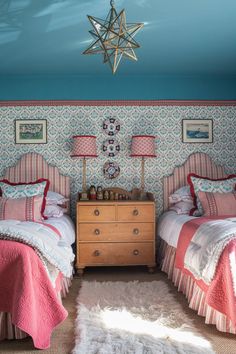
[(133, 318)]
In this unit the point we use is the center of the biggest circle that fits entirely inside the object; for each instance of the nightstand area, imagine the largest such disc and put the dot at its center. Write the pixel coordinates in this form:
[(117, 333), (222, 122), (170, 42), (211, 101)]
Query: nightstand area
[(115, 233)]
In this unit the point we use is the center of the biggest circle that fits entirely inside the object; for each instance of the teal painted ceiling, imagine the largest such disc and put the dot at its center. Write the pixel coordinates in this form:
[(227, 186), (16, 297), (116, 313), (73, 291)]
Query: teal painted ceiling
[(180, 37)]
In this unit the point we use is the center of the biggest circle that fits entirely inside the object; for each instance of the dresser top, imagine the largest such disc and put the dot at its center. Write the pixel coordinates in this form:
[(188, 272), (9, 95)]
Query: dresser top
[(113, 202)]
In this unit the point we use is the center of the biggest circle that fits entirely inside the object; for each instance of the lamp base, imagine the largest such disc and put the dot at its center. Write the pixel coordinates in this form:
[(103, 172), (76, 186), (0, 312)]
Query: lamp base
[(83, 196), (143, 196)]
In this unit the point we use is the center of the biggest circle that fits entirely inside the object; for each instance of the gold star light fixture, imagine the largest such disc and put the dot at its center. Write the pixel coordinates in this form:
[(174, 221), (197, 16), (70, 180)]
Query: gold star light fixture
[(114, 38)]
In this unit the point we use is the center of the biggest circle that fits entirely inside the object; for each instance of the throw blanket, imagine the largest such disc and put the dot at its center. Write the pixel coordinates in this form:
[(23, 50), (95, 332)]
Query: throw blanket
[(43, 238), (25, 287), (206, 247), (27, 293), (219, 291)]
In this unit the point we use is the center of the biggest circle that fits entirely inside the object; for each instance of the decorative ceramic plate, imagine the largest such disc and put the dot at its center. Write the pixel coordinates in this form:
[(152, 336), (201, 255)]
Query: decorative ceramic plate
[(111, 170), (111, 147), (111, 126)]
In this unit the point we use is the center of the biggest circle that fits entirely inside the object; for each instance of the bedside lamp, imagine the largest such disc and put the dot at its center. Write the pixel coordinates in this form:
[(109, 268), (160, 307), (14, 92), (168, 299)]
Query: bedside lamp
[(84, 146), (143, 146)]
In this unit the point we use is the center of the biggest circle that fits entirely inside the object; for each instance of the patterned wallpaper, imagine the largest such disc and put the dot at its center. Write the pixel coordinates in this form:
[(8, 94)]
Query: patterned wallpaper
[(165, 122)]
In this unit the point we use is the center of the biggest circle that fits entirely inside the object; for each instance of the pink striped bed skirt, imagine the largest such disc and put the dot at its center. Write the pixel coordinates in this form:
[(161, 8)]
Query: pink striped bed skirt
[(9, 331), (194, 295)]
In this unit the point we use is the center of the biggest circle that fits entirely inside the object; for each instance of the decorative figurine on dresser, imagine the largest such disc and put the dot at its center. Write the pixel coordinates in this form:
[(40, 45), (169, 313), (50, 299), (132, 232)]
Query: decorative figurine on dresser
[(106, 195), (92, 193), (116, 232), (99, 193)]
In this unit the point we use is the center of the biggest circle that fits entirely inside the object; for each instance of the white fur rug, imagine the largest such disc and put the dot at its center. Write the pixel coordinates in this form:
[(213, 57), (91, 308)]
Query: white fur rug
[(133, 318)]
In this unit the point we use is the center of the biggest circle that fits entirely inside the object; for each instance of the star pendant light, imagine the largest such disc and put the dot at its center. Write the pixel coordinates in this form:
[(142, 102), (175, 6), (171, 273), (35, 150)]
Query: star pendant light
[(114, 38)]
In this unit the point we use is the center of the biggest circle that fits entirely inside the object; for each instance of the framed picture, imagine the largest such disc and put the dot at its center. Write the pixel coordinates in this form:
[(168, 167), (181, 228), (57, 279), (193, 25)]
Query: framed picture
[(31, 131), (197, 130)]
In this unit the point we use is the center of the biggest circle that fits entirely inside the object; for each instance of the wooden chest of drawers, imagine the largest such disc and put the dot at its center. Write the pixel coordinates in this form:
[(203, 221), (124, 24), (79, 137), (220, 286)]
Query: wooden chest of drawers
[(115, 233)]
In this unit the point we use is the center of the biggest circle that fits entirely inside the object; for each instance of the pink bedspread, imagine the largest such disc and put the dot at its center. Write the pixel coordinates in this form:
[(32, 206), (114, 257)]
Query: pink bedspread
[(220, 293), (27, 293)]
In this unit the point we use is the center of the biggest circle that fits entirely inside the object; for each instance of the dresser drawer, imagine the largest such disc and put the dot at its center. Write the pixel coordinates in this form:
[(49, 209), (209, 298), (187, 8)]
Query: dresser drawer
[(131, 232), (116, 254), (134, 232), (135, 213), (96, 213), (97, 232)]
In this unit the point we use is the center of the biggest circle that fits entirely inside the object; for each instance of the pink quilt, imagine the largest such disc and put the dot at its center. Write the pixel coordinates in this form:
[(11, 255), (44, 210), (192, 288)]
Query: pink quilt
[(27, 293), (220, 293)]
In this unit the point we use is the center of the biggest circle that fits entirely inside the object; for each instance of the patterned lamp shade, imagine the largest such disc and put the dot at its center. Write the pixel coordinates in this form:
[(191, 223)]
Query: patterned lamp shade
[(143, 146), (84, 146)]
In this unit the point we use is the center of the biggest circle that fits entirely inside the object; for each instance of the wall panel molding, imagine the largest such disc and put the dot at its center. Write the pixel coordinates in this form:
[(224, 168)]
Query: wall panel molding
[(125, 103)]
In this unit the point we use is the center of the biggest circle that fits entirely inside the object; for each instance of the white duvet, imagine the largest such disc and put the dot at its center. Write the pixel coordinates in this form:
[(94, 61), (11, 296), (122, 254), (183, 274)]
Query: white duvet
[(206, 246), (48, 244), (66, 227), (170, 225)]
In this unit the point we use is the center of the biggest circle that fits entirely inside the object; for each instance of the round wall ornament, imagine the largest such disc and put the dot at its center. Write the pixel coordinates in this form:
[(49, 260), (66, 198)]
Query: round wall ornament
[(111, 170), (111, 126), (111, 147)]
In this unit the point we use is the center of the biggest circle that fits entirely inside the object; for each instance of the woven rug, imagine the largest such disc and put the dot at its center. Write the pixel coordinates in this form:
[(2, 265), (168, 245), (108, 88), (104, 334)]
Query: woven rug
[(133, 318)]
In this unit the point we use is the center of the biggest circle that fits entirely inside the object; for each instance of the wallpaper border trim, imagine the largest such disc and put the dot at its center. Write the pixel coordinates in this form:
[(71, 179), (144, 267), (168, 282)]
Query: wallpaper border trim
[(118, 103)]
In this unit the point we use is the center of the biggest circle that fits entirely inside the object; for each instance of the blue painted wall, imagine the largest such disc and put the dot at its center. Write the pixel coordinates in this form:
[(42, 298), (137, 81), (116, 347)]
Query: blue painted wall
[(119, 87)]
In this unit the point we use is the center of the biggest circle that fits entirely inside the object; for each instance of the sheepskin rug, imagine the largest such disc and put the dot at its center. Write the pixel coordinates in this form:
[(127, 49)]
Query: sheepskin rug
[(133, 318)]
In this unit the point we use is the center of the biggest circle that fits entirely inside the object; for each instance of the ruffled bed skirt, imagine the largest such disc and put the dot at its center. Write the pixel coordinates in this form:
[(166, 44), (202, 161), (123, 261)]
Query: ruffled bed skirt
[(195, 295), (9, 331)]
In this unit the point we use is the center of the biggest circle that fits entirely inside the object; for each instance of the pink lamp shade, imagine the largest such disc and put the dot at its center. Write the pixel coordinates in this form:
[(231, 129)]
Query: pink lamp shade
[(143, 146), (84, 146)]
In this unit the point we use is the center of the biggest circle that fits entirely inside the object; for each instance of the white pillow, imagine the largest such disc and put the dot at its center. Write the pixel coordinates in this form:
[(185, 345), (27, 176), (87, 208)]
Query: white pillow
[(54, 198), (182, 194), (54, 211), (182, 207)]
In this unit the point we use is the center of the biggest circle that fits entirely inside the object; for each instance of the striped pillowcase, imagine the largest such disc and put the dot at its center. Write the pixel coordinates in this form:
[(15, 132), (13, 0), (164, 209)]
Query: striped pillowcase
[(218, 204), (22, 209), (205, 184), (22, 190)]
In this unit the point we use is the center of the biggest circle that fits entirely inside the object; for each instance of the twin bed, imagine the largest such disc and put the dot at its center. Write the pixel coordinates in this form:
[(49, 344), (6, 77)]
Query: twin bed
[(36, 258), (199, 253)]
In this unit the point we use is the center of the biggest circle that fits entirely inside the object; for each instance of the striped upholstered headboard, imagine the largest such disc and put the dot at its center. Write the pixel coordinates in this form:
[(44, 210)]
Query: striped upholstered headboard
[(198, 163), (33, 166)]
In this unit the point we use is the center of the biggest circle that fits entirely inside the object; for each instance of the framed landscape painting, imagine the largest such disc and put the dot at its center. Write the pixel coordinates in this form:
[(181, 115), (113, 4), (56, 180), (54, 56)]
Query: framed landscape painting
[(31, 131), (197, 131)]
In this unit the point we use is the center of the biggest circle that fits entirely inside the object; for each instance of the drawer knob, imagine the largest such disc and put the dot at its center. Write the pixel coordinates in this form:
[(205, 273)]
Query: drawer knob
[(135, 252), (97, 232), (135, 212), (96, 212), (97, 253), (135, 231)]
